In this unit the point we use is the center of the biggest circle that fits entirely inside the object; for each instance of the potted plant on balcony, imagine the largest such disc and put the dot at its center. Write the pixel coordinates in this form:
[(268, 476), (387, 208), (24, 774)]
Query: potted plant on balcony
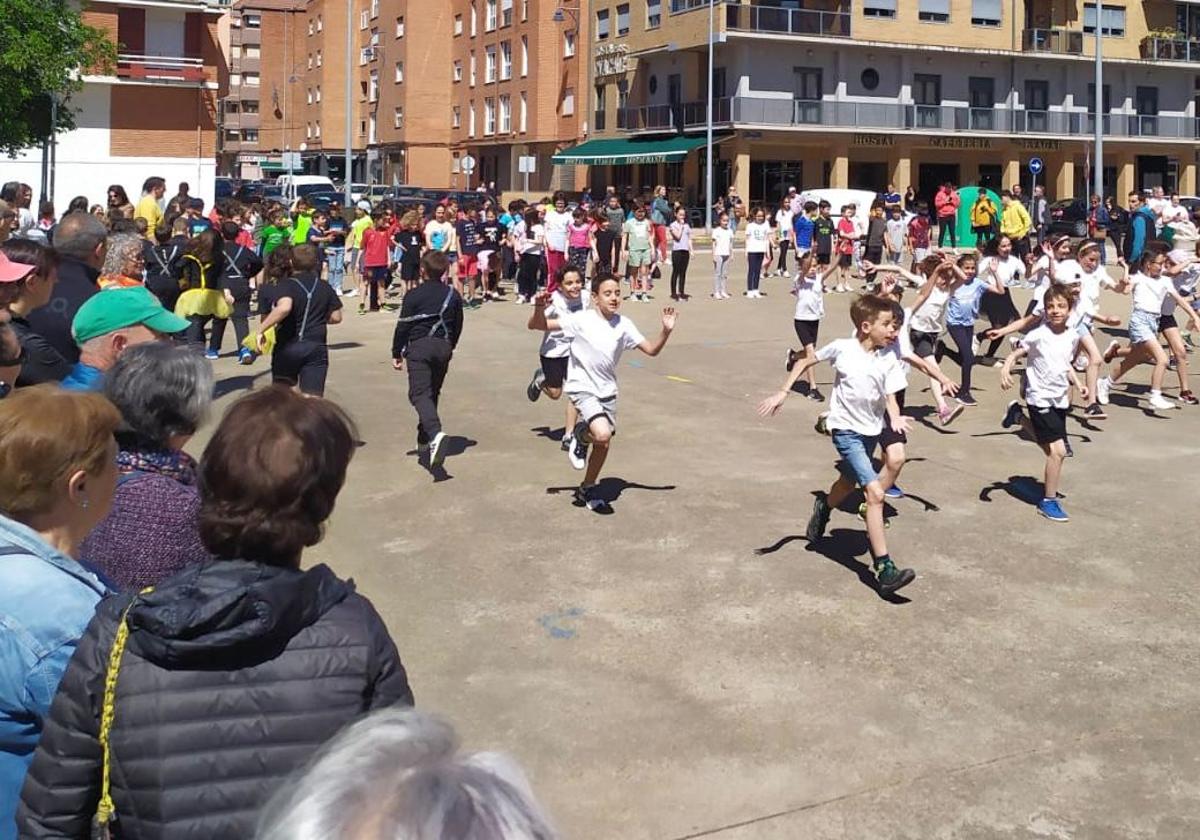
[(1164, 43)]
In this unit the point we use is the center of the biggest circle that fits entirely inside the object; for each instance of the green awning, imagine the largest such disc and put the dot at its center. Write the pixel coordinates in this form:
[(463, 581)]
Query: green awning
[(618, 151), (271, 166)]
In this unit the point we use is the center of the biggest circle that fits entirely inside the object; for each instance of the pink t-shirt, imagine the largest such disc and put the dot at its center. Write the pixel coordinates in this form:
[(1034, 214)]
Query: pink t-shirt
[(577, 237)]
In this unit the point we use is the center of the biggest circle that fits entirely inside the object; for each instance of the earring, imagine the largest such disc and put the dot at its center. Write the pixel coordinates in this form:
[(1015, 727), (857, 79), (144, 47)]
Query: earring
[(84, 504)]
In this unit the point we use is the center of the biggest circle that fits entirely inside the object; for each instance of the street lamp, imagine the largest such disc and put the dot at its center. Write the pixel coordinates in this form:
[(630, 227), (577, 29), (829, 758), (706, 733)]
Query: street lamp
[(1098, 163), (560, 17), (349, 151), (708, 130)]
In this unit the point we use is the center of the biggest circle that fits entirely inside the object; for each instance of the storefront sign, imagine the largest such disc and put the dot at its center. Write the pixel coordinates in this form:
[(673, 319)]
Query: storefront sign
[(612, 60), (960, 142), (873, 140), (1039, 145)]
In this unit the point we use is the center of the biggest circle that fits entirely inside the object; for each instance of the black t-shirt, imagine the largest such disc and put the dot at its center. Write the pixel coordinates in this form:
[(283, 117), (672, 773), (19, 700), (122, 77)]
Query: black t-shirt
[(337, 229), (313, 301), (468, 235), (823, 235), (493, 234), (411, 241)]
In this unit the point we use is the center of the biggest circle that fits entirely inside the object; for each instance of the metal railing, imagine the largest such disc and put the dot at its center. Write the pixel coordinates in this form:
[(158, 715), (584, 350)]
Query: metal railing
[(1170, 49), (674, 117), (678, 6), (773, 20), (1060, 41), (133, 66)]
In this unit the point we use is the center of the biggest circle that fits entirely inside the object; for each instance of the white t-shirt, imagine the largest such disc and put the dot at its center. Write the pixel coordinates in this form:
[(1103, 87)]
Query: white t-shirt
[(900, 347), (1048, 366), (596, 348), (1150, 292), (1157, 206), (928, 317), (897, 229), (440, 236), (810, 297), (783, 223), (1185, 283), (1010, 270), (555, 345), (722, 242), (860, 386), (556, 230), (757, 237), (1172, 214)]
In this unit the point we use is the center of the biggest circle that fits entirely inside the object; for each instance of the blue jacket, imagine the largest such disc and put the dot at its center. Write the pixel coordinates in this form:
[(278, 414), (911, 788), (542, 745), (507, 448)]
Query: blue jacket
[(1141, 231), (46, 602)]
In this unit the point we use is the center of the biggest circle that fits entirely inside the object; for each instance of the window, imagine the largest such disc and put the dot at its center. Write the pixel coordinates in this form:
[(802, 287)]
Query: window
[(252, 21), (364, 19), (982, 93), (318, 58), (398, 117), (458, 24), (879, 8), (317, 93), (374, 38), (373, 87), (308, 97), (317, 129), (400, 26), (598, 117), (320, 23), (1037, 105), (622, 96), (622, 19), (489, 16), (371, 133), (472, 68), (524, 112), (250, 79), (986, 12), (458, 70), (308, 131), (933, 11), (505, 114), (505, 60), (653, 14), (569, 44), (249, 106), (311, 27), (470, 119), (506, 9), (1112, 20), (524, 10), (489, 116), (362, 127), (364, 55), (568, 102), (251, 51), (374, 9), (310, 61), (927, 94), (249, 135), (456, 117), (232, 135), (399, 72), (602, 31), (489, 64), (235, 79), (524, 56), (474, 19)]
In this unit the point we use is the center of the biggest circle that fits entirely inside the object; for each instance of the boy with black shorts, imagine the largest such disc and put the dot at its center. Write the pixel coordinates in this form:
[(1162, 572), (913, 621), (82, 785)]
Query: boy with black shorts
[(555, 351), (823, 229), (410, 240)]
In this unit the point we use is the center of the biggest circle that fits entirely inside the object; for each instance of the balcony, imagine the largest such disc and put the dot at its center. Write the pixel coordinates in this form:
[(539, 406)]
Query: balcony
[(1057, 41), (891, 116), (1170, 49), (772, 20), (160, 68)]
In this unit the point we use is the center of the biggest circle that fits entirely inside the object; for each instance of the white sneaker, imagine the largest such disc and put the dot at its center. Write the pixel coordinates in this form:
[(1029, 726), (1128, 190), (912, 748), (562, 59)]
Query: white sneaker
[(1160, 403), (1081, 361), (437, 449), (1103, 386), (349, 292)]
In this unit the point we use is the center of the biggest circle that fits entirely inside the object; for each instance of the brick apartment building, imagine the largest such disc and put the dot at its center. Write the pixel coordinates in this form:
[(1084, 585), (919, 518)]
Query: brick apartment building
[(154, 114), (909, 92)]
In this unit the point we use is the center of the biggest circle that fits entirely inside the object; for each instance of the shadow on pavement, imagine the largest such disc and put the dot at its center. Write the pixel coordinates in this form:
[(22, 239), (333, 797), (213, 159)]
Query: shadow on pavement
[(610, 488), (455, 445), (555, 435), (242, 382), (842, 546)]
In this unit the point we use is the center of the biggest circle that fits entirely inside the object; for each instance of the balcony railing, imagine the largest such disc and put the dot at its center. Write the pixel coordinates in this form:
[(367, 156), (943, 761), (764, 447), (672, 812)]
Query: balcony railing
[(1060, 41), (678, 6), (773, 20), (890, 116), (177, 68), (1170, 49)]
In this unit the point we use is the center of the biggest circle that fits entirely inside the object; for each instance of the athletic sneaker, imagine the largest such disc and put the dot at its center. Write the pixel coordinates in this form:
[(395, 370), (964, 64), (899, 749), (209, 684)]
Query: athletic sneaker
[(349, 292), (578, 452), (947, 414), (437, 449), (821, 426), (815, 395), (890, 578), (567, 442), (894, 492), (587, 497), (211, 355), (245, 357), (792, 357), (1160, 403), (967, 400), (819, 518), (1052, 510), (1188, 398), (534, 389), (1013, 415), (1095, 412), (1081, 361), (1103, 386)]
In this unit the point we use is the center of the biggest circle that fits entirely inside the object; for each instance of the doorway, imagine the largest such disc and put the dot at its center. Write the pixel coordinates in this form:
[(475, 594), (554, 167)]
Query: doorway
[(930, 176), (1152, 171), (865, 175), (770, 179)]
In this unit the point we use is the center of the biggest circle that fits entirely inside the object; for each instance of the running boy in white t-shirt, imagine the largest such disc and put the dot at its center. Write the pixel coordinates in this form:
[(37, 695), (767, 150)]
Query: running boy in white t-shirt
[(809, 289), (1051, 349), (863, 394), (555, 351), (598, 336)]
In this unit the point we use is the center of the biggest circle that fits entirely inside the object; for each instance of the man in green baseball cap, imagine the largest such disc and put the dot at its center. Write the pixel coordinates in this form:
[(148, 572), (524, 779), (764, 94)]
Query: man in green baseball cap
[(109, 322)]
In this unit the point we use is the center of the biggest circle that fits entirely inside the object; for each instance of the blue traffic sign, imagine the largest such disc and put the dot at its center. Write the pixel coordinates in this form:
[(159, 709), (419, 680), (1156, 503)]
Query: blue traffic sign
[(1036, 165)]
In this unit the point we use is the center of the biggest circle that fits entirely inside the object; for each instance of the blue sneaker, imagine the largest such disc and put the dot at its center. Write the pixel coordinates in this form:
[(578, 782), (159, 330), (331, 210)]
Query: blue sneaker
[(894, 492), (1012, 416), (1052, 510), (211, 355), (245, 357)]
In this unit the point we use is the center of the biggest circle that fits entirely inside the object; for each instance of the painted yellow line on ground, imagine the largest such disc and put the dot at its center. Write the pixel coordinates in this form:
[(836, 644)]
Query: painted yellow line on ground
[(678, 379)]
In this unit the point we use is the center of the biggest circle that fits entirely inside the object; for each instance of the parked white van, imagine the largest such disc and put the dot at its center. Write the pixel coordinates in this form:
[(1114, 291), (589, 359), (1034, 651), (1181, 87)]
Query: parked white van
[(298, 185)]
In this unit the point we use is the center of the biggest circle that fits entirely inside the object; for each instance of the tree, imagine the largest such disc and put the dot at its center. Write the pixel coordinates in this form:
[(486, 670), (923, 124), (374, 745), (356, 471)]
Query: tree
[(45, 48)]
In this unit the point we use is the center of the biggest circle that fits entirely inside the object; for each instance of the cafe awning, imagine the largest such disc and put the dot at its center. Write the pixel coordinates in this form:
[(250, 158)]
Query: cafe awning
[(619, 151)]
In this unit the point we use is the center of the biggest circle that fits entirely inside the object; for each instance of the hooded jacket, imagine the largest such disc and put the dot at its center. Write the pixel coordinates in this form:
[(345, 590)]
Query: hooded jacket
[(1141, 231), (234, 674)]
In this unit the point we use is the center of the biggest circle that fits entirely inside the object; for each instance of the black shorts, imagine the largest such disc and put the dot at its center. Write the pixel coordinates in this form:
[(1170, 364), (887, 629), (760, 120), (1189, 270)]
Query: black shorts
[(1166, 322), (844, 260), (806, 331), (555, 370), (887, 437), (822, 258), (378, 273), (302, 364), (923, 343), (410, 271), (1049, 424)]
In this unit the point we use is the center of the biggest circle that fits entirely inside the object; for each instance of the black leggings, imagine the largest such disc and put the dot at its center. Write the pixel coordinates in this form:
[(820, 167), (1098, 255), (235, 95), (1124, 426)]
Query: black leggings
[(784, 246), (195, 331), (527, 274), (754, 270), (679, 267), (963, 335), (608, 248), (241, 314), (946, 228), (1000, 312)]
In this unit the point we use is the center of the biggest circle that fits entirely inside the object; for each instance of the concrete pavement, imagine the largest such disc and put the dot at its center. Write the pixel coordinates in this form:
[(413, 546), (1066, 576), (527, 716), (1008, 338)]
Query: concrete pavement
[(690, 667)]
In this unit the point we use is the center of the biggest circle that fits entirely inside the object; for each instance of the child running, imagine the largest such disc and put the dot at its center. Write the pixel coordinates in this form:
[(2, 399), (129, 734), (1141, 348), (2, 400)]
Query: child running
[(809, 289), (1050, 348), (555, 351), (598, 336), (722, 253), (962, 311), (862, 398)]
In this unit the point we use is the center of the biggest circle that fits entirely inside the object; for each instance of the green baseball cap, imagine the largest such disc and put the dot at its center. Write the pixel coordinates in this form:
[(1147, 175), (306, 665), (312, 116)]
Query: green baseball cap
[(117, 309)]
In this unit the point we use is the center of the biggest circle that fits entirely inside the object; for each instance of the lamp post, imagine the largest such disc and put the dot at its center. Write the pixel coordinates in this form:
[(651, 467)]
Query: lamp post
[(560, 16), (349, 161), (708, 131), (1098, 158)]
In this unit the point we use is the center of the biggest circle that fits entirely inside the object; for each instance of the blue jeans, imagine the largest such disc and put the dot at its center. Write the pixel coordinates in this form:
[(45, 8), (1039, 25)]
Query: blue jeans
[(335, 260), (856, 450)]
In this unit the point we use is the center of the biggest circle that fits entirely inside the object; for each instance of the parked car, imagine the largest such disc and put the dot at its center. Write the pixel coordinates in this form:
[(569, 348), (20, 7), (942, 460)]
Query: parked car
[(222, 188), (322, 199), (1068, 216)]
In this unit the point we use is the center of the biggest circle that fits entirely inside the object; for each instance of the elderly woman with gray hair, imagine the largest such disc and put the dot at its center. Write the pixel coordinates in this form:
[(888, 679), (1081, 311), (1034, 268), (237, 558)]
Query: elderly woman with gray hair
[(398, 775), (125, 262), (163, 393)]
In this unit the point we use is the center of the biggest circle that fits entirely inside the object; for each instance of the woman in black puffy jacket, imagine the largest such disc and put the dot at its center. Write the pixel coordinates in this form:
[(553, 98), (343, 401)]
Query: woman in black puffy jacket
[(235, 671)]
